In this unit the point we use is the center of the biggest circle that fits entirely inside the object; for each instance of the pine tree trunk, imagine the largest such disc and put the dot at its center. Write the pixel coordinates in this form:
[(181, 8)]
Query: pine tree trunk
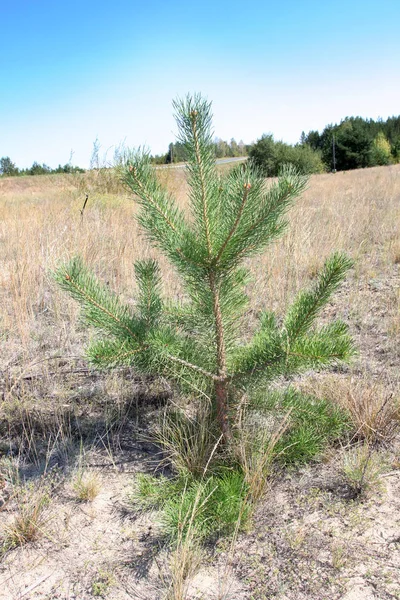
[(221, 386), (221, 396)]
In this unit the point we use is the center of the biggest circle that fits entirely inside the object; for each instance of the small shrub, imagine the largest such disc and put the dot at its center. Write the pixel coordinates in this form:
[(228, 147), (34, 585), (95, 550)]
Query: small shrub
[(197, 343), (271, 156)]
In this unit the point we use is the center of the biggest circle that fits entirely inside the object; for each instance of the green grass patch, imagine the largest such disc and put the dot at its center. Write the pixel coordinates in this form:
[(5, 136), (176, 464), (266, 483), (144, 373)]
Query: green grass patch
[(214, 505)]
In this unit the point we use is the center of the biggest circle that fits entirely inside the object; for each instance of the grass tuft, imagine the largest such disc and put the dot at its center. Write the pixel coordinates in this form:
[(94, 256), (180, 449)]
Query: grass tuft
[(28, 525), (86, 485), (373, 411), (186, 440), (257, 452), (361, 468)]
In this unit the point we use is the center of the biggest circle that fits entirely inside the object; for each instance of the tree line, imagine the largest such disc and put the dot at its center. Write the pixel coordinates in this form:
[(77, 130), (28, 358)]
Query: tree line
[(352, 144), (177, 151), (357, 143), (9, 169)]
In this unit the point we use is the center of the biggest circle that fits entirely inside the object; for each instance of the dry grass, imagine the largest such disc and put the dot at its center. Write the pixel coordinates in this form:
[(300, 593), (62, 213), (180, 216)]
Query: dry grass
[(184, 561), (86, 485), (187, 440), (256, 453), (42, 339), (361, 468), (40, 224), (374, 409), (30, 520)]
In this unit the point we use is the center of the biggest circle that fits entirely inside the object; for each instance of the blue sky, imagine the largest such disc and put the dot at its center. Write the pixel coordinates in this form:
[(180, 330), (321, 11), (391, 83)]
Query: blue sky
[(73, 71)]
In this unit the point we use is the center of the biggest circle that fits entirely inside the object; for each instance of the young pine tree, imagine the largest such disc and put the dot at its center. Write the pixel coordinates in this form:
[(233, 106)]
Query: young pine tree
[(199, 343)]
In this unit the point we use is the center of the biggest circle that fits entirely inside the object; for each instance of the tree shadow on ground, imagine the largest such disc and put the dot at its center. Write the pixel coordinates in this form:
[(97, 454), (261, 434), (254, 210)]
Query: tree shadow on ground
[(43, 434)]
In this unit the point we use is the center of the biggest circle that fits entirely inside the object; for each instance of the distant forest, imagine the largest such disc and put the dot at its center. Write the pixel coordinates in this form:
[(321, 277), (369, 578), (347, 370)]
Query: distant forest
[(177, 152), (354, 143), (358, 143), (9, 169)]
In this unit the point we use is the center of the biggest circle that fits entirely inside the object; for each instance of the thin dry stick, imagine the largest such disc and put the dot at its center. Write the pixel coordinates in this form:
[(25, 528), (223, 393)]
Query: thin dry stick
[(84, 206), (35, 585)]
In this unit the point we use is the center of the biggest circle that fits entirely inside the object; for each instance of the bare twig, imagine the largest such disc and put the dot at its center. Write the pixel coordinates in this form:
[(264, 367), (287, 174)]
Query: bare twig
[(34, 585), (84, 205)]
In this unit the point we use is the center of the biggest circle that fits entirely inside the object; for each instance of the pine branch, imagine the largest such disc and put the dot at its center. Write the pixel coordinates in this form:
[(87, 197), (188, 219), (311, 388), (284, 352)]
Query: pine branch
[(263, 220), (193, 116), (267, 357), (308, 304), (323, 347), (264, 354), (141, 178), (160, 217), (111, 353), (194, 120), (100, 307), (148, 276), (247, 187), (192, 367)]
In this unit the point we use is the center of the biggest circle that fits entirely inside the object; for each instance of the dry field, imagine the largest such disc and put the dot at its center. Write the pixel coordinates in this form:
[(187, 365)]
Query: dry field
[(71, 439)]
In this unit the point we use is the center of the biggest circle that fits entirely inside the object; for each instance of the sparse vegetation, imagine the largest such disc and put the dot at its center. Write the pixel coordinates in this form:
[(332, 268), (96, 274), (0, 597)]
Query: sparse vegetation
[(86, 485), (32, 515), (361, 468), (52, 402), (102, 583)]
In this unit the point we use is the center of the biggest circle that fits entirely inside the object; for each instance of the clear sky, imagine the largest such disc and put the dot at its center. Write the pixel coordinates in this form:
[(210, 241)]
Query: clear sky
[(73, 71)]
